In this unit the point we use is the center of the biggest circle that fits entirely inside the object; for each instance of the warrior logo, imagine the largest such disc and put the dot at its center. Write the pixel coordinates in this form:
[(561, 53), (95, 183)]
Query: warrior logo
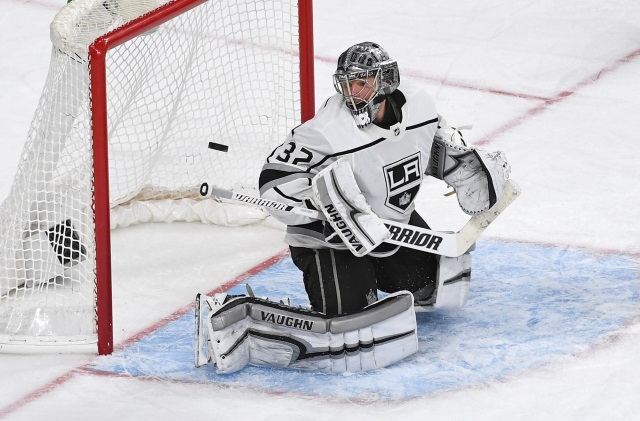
[(403, 180)]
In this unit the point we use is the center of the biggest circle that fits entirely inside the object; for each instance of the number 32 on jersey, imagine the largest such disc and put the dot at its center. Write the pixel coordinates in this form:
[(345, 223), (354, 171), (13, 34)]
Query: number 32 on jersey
[(294, 155)]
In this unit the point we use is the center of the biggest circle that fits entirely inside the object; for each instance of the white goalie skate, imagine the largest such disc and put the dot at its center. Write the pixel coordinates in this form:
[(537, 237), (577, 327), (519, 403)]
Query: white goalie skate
[(204, 305)]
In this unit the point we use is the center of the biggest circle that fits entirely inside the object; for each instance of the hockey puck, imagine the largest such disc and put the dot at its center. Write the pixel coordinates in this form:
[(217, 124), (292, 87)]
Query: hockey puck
[(218, 147)]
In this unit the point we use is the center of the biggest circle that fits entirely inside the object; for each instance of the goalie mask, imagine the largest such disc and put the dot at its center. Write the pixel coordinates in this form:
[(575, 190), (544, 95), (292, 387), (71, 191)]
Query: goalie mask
[(365, 75)]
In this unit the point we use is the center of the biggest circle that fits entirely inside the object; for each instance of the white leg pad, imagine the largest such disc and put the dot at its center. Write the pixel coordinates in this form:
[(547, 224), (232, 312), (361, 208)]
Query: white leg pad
[(249, 330), (454, 277)]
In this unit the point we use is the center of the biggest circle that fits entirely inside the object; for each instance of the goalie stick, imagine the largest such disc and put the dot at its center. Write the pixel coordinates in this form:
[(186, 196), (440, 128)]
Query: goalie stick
[(444, 243)]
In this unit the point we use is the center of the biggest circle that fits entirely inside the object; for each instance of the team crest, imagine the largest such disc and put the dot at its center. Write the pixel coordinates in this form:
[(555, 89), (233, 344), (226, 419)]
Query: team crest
[(403, 180)]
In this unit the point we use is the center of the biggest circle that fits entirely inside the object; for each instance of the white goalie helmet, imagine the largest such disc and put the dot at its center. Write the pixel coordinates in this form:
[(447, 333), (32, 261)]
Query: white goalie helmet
[(364, 76)]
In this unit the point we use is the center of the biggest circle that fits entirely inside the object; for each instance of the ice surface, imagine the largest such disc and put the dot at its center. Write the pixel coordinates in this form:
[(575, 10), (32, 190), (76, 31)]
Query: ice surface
[(520, 316)]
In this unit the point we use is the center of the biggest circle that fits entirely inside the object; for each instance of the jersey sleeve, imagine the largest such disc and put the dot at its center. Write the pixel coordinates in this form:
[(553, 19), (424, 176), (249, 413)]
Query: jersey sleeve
[(286, 176)]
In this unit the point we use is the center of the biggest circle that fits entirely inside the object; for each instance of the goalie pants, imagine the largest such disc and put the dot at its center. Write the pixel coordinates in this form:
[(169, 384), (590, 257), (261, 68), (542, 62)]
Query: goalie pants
[(337, 282)]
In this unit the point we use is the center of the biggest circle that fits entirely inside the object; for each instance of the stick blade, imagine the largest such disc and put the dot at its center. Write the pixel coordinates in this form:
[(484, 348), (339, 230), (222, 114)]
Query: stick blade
[(221, 193), (478, 223)]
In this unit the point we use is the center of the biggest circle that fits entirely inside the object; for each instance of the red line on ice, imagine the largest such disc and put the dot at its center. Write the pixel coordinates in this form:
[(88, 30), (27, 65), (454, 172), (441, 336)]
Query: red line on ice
[(63, 379)]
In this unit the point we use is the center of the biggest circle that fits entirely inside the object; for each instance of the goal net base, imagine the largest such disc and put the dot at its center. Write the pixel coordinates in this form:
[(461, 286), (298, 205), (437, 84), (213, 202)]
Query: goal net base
[(137, 91)]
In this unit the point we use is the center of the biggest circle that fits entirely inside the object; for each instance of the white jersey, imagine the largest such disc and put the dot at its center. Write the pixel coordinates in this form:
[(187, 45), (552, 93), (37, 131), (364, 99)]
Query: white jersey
[(388, 164)]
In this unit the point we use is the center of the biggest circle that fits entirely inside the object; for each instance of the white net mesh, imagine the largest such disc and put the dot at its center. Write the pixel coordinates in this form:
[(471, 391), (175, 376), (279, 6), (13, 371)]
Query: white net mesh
[(225, 72)]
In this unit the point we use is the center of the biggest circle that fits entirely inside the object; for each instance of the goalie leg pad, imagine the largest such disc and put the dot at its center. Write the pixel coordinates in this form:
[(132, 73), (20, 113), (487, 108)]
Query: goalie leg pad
[(249, 330), (454, 278), (347, 210), (452, 287)]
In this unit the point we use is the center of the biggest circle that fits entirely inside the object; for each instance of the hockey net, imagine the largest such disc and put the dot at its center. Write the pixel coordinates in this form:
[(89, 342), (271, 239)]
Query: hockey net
[(140, 98)]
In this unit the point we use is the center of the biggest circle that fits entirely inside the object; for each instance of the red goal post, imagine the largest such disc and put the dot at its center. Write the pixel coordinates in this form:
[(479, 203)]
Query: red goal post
[(143, 100)]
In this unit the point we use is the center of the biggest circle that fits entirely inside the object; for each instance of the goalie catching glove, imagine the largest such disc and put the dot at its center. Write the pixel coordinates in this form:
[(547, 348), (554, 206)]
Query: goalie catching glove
[(346, 209), (477, 176)]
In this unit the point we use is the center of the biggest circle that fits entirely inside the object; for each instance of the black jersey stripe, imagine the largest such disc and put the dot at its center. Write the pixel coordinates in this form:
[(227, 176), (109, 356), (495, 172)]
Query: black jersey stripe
[(368, 145), (313, 229), (293, 199), (347, 152), (424, 123), (267, 176)]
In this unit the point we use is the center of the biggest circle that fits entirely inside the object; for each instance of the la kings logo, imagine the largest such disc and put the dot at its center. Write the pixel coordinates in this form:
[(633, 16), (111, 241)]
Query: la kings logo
[(403, 180)]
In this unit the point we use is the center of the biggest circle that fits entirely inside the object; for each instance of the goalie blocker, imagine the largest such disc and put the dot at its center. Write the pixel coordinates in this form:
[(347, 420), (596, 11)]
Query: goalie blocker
[(234, 332), (347, 210)]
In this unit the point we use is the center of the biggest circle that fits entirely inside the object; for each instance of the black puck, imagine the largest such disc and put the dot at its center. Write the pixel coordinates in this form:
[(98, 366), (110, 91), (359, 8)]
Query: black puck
[(218, 147)]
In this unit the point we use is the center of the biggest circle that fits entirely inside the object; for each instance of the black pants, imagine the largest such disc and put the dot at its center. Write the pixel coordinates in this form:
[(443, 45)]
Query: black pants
[(337, 282)]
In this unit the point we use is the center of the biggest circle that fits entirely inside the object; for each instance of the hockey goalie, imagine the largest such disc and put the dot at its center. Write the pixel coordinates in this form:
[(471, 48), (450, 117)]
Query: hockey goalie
[(360, 162)]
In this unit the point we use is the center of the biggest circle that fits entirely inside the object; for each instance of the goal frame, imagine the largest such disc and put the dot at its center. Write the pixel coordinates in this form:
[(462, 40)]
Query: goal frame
[(98, 92)]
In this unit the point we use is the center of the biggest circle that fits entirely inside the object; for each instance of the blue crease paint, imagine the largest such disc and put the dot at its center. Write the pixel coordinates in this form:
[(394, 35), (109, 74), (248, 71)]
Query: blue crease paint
[(529, 305)]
